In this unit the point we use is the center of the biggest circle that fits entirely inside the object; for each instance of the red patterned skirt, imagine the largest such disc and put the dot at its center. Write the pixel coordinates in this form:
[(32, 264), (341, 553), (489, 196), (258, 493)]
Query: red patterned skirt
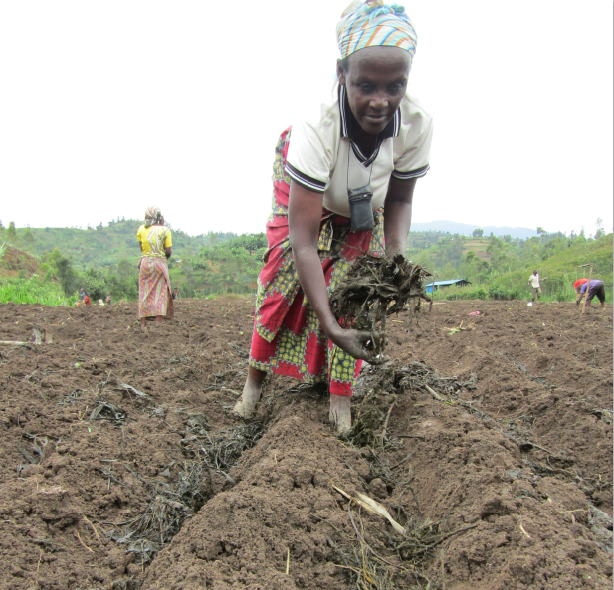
[(288, 339), (154, 288)]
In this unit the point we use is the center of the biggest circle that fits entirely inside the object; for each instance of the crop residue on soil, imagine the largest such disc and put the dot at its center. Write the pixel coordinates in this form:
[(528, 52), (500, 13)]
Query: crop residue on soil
[(489, 443)]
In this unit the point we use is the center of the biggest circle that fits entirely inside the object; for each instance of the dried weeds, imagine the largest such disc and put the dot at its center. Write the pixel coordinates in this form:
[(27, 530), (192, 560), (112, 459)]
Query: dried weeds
[(375, 288), (378, 559), (378, 388), (149, 532), (221, 451)]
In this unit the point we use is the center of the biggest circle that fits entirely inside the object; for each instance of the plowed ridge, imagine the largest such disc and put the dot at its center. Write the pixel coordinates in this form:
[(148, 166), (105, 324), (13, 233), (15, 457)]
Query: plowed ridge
[(506, 483)]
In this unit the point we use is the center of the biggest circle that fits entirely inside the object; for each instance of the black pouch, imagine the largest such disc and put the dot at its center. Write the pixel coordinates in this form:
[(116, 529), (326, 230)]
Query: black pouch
[(361, 213)]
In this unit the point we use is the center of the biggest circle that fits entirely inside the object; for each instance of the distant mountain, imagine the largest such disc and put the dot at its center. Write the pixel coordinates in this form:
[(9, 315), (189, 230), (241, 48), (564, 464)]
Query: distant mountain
[(464, 228)]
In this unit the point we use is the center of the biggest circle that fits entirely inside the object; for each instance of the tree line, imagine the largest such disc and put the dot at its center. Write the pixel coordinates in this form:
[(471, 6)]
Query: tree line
[(230, 263)]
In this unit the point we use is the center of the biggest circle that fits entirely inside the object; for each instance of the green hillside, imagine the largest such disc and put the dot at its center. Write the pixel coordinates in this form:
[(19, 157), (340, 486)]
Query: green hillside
[(102, 246), (16, 263), (500, 267), (562, 269), (104, 259), (228, 266)]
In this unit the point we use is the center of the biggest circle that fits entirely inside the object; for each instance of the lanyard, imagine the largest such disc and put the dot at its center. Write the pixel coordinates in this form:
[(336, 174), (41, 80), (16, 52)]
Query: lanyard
[(347, 171)]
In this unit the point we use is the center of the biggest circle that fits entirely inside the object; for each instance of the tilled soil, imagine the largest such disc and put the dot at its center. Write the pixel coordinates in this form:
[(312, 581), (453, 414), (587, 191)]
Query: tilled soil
[(123, 468)]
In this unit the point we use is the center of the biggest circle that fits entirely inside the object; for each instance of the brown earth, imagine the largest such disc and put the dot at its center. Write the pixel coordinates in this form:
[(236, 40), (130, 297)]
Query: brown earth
[(506, 482)]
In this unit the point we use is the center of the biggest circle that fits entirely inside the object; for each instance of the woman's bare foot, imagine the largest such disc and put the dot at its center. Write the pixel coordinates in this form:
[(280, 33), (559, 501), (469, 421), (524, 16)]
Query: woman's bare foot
[(339, 413), (252, 391)]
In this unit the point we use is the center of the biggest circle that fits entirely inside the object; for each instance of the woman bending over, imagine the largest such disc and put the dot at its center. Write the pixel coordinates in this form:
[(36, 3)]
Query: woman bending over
[(343, 186)]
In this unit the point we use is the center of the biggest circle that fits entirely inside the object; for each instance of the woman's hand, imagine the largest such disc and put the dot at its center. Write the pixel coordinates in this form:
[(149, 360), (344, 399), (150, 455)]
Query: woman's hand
[(305, 215), (355, 343)]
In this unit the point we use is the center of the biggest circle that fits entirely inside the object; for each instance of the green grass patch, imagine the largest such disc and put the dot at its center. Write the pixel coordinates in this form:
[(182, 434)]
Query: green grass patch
[(33, 291)]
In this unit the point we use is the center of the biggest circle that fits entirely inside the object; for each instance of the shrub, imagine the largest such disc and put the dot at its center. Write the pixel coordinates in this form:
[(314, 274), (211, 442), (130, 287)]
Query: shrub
[(462, 293), (500, 293)]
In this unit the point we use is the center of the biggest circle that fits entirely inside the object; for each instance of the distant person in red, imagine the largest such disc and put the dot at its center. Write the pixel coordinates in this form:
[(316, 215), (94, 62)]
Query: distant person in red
[(87, 300), (596, 288)]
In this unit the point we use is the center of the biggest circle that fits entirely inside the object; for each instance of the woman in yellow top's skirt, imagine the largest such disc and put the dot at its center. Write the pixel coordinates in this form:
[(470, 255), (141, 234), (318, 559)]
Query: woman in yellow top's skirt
[(154, 283)]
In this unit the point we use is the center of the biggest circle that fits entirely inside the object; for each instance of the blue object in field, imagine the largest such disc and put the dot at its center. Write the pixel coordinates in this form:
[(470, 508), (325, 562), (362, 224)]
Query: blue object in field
[(443, 284)]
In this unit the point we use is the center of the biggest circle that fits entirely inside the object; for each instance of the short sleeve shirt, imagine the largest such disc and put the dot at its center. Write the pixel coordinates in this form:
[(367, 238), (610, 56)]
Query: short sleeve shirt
[(595, 283), (534, 280), (324, 158), (154, 240)]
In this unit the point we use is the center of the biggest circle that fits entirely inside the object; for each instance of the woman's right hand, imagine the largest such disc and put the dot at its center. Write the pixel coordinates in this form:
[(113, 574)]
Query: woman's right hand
[(305, 215), (354, 343)]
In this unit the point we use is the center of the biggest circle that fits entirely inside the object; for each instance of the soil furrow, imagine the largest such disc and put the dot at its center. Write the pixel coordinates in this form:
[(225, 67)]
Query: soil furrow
[(508, 485)]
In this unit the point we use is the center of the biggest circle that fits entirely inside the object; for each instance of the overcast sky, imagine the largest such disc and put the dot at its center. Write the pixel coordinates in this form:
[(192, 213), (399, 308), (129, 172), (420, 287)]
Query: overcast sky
[(109, 107)]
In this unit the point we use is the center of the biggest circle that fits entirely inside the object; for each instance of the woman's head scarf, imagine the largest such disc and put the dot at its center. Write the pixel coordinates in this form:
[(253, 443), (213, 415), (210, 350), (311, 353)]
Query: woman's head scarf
[(152, 215), (375, 24)]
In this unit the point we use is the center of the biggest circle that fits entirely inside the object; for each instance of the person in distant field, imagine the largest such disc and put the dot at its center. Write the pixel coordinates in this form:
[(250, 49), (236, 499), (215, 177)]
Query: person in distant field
[(595, 289), (175, 294), (155, 300), (343, 184), (101, 303), (86, 300), (107, 299), (81, 295), (535, 288)]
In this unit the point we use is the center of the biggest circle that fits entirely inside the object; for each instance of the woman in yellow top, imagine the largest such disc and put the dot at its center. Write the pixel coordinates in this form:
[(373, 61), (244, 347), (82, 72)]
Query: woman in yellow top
[(154, 283)]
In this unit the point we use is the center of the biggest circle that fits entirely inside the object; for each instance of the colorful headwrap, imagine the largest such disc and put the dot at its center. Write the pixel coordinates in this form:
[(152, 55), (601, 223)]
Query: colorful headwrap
[(152, 215), (373, 23)]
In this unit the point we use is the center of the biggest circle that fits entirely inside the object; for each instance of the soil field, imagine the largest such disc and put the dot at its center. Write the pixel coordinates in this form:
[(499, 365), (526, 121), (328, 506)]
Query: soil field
[(487, 439)]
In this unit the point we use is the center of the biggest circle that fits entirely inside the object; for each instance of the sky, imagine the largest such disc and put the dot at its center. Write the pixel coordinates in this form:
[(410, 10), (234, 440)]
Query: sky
[(110, 107)]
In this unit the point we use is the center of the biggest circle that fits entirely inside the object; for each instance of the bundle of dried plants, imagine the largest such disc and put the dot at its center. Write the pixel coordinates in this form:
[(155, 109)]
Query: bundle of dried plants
[(374, 288)]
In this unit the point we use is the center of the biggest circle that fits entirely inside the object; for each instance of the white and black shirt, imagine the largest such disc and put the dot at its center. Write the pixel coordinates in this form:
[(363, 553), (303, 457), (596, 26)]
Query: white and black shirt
[(318, 156)]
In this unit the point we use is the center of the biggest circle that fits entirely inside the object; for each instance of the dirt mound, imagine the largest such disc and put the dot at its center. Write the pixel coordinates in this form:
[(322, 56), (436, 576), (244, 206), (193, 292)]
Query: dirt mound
[(282, 501), (491, 446)]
